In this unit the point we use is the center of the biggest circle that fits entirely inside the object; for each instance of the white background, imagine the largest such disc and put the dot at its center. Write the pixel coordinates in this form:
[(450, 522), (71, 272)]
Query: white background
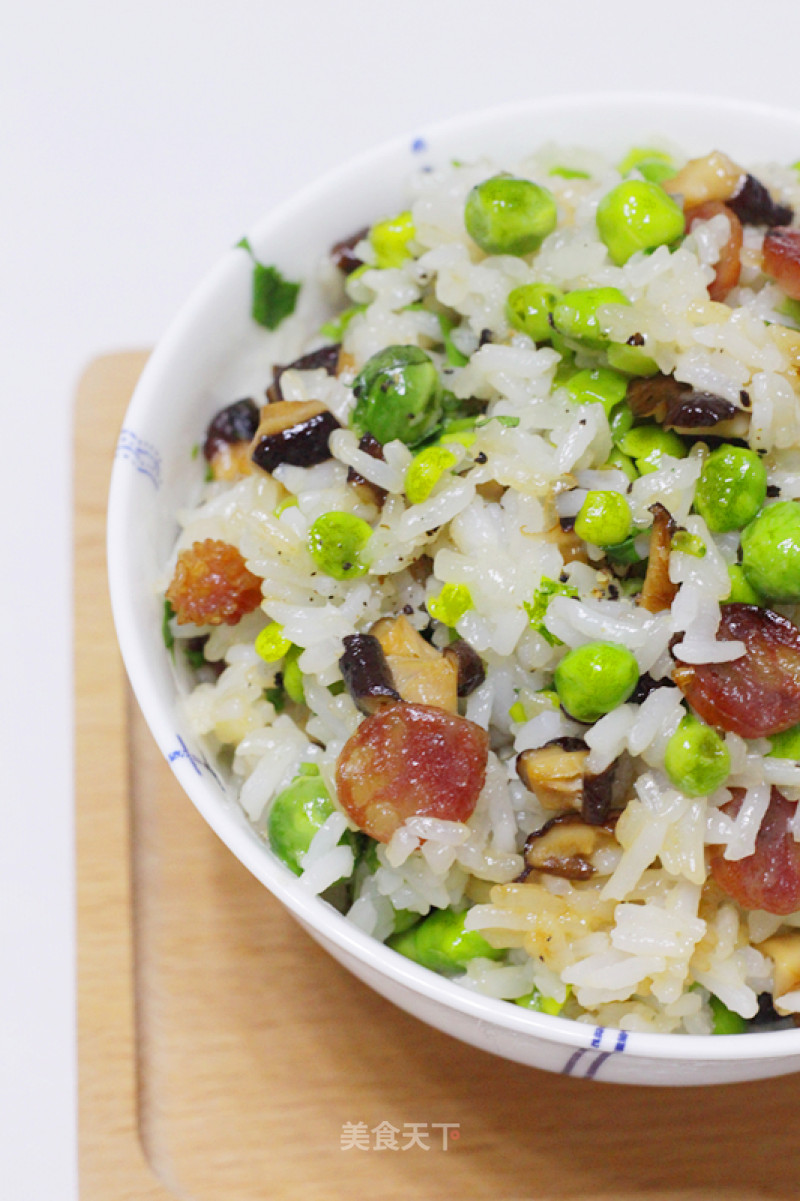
[(139, 141)]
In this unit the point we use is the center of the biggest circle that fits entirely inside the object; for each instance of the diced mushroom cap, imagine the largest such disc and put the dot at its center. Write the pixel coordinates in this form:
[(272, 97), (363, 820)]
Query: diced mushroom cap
[(712, 177), (556, 773), (294, 432), (366, 673), (326, 358), (658, 591), (564, 847), (784, 950), (678, 406), (421, 674), (469, 665), (369, 493)]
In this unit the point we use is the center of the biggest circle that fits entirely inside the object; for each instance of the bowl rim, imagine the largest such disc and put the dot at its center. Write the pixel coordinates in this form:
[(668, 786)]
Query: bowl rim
[(308, 908)]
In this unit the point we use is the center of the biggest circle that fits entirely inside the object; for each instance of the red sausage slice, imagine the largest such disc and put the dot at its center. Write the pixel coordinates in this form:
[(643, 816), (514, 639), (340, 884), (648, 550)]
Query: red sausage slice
[(769, 879), (781, 258), (411, 760)]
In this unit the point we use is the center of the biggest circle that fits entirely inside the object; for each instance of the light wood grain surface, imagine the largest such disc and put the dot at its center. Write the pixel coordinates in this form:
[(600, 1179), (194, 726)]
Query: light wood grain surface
[(222, 1052)]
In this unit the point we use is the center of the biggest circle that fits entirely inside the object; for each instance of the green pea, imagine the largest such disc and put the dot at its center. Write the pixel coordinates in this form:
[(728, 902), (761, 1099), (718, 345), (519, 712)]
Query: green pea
[(297, 814), (605, 519), (725, 1021), (637, 215), (623, 463), (654, 165), (425, 471), (741, 592), (593, 679), (620, 421), (336, 541), (271, 644), (398, 395), (575, 315), (696, 760), (647, 444), (633, 360), (450, 605), (441, 943), (529, 309), (293, 676), (507, 215), (390, 240), (771, 552), (600, 386), (786, 745), (731, 489)]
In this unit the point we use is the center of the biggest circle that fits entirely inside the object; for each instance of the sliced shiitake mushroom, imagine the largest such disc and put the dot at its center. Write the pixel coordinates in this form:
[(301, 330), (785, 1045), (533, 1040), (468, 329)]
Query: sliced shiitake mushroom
[(469, 665), (564, 847), (326, 358), (556, 773), (343, 253), (228, 438), (294, 432), (714, 176), (658, 591), (367, 675), (753, 204), (369, 493), (678, 406), (421, 674), (784, 951)]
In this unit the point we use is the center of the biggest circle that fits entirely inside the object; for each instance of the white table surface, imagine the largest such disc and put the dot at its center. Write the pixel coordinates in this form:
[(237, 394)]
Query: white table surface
[(139, 140)]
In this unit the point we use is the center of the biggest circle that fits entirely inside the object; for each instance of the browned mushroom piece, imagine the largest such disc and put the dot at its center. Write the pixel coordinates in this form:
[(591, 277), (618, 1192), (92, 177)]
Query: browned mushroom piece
[(324, 359), (658, 591), (571, 547), (366, 673), (228, 438), (469, 665), (712, 177), (678, 406), (565, 845), (369, 493), (784, 951), (343, 253), (421, 674), (753, 204), (491, 491), (294, 432), (556, 773)]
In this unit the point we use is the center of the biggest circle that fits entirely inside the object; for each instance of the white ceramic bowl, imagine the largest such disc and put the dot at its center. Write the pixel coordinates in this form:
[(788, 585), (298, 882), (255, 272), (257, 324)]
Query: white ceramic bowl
[(212, 339)]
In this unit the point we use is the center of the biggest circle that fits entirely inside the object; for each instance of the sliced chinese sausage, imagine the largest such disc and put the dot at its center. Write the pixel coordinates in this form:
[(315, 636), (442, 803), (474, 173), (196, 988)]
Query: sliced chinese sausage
[(758, 694), (212, 585), (781, 259), (769, 879), (411, 761), (729, 265)]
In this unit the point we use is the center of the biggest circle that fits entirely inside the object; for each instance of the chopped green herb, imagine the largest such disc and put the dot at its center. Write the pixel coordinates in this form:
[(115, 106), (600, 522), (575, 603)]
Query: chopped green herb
[(169, 637), (335, 330), (208, 474), (453, 355), (517, 712), (276, 698), (274, 297), (569, 173), (194, 657), (537, 609), (688, 544), (244, 244), (336, 688), (195, 450), (509, 422), (293, 676)]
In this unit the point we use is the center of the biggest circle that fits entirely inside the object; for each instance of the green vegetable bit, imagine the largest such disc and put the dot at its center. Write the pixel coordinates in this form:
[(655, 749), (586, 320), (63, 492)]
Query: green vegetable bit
[(166, 632), (441, 943), (293, 676), (725, 1021), (593, 679), (450, 605), (517, 712), (529, 309), (771, 552), (741, 592), (453, 355), (647, 444), (297, 814), (276, 698), (569, 173), (399, 395), (537, 608), (335, 329), (688, 544), (601, 386), (654, 165), (786, 745), (425, 471), (507, 215), (274, 298), (633, 360), (696, 760), (622, 463), (336, 541), (637, 215), (731, 489), (605, 519), (390, 240), (576, 314), (271, 644), (540, 1003)]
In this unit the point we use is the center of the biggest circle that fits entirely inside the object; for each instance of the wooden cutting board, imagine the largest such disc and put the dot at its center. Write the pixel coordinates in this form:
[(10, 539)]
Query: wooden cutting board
[(225, 1057)]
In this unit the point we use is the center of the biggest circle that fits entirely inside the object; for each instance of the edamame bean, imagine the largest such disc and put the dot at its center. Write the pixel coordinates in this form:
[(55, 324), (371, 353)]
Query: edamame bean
[(771, 552), (600, 386), (297, 814), (575, 315), (786, 745), (425, 471), (725, 1021), (390, 240), (529, 309), (271, 644), (336, 541), (637, 215), (540, 1003), (508, 215), (696, 760), (441, 943), (593, 679), (741, 592), (604, 519), (450, 605), (633, 360), (293, 676), (731, 489), (623, 463), (647, 444), (398, 395), (654, 165)]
